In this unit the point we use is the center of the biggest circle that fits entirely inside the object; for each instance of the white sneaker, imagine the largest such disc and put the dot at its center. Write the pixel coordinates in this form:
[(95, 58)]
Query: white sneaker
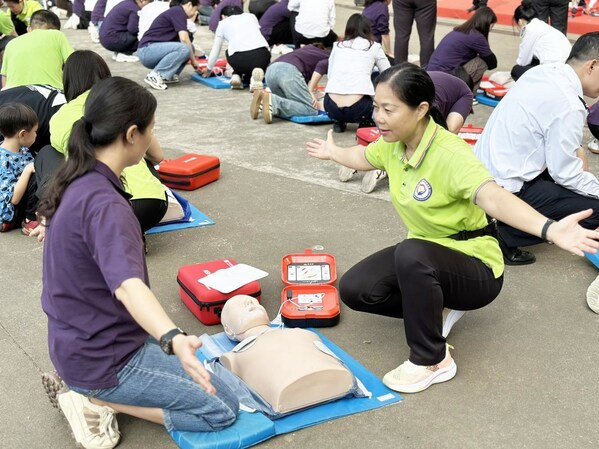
[(285, 49), (94, 426), (71, 22), (122, 57), (450, 317), (236, 82), (93, 33), (593, 146), (155, 80), (256, 81), (410, 378), (593, 295), (175, 79), (371, 178), (346, 173)]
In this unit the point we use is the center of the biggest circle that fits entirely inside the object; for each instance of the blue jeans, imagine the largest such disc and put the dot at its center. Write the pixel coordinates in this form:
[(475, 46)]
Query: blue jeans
[(153, 379), (290, 95), (165, 58)]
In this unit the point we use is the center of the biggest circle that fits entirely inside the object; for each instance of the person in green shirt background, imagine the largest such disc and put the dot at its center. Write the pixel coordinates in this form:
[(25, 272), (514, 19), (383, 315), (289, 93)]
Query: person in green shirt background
[(7, 28), (38, 56), (20, 12), (451, 258)]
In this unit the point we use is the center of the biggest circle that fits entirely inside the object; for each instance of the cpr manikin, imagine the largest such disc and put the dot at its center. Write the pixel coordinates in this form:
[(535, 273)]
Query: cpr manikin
[(289, 368)]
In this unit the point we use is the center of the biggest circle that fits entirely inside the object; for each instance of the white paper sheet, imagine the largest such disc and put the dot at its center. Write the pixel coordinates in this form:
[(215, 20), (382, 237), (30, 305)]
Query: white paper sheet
[(229, 279)]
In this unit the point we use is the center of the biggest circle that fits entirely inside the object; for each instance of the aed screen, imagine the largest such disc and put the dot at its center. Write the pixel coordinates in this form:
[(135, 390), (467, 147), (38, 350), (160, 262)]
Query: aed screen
[(309, 272)]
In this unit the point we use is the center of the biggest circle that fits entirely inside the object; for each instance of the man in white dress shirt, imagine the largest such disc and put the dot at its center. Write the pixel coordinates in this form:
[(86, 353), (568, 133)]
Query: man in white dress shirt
[(532, 143)]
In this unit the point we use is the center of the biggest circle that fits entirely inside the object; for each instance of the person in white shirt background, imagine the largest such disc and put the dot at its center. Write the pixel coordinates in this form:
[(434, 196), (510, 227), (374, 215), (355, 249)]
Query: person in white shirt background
[(532, 143), (540, 43), (314, 21)]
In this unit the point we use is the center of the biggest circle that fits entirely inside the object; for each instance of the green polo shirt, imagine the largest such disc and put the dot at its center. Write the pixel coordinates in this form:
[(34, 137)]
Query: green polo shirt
[(29, 7), (6, 26), (434, 191), (61, 123), (36, 58), (139, 181)]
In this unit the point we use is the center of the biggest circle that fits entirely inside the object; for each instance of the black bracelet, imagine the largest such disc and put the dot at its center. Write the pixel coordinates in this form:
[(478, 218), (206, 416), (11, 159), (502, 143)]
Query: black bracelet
[(548, 223)]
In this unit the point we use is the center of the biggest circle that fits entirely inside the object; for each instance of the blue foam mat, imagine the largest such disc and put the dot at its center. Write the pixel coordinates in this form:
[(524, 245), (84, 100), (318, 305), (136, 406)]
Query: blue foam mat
[(253, 428), (215, 82), (483, 99), (594, 258), (198, 218), (322, 117)]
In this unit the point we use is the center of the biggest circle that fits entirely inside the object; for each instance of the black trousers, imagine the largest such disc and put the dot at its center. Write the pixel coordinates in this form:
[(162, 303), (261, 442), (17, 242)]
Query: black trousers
[(554, 12), (519, 70), (424, 12), (553, 201), (415, 280), (46, 163), (243, 62), (359, 112), (327, 40), (28, 204), (281, 34)]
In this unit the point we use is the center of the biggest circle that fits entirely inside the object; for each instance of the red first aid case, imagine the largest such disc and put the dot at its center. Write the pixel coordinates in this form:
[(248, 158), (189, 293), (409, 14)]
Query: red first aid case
[(204, 302), (364, 136), (190, 171), (309, 298), (219, 66), (495, 90), (470, 133)]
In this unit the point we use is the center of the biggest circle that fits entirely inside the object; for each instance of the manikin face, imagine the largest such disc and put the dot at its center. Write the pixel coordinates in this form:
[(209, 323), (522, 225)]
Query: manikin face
[(242, 313)]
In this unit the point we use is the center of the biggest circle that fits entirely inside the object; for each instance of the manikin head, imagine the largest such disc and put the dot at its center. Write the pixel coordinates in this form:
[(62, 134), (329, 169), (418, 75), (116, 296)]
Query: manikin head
[(243, 316)]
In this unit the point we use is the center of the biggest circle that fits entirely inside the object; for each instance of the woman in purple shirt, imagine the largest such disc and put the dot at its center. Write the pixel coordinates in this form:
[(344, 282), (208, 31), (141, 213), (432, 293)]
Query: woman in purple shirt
[(465, 51), (110, 340), (166, 47), (377, 12), (119, 30)]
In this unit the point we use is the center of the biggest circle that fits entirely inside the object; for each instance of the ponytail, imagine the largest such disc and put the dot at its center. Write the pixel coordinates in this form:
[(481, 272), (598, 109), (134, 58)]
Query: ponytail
[(437, 116), (526, 10)]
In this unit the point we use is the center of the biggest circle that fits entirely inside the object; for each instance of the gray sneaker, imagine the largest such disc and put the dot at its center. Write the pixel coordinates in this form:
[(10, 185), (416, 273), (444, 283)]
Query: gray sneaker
[(371, 178), (346, 173), (94, 426)]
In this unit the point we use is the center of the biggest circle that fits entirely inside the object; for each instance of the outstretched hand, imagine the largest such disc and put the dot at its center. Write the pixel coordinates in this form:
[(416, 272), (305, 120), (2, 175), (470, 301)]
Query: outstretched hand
[(321, 149), (570, 236), (185, 347)]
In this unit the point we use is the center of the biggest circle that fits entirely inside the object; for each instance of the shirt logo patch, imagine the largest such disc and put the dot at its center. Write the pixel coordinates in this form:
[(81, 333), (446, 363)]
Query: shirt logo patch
[(423, 190)]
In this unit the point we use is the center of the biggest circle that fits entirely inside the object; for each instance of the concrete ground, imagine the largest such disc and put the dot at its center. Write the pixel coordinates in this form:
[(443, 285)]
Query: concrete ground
[(528, 362)]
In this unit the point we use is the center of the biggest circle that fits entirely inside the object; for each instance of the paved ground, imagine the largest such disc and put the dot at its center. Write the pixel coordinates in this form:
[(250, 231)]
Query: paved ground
[(527, 363)]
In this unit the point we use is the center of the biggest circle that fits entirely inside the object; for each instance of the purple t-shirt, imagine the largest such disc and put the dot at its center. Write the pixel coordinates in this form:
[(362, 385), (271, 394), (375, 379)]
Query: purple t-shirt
[(274, 15), (215, 16), (456, 49), (165, 27), (451, 94), (79, 7), (308, 59), (98, 11), (93, 244), (378, 15), (121, 19)]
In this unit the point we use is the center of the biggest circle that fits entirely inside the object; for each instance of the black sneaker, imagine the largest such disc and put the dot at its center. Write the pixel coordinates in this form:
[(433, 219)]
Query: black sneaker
[(514, 255), (339, 127)]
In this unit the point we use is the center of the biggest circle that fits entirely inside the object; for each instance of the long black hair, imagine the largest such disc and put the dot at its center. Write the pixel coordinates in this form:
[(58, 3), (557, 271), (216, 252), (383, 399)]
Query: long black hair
[(526, 10), (481, 21), (412, 86), (114, 104), (358, 26), (82, 69)]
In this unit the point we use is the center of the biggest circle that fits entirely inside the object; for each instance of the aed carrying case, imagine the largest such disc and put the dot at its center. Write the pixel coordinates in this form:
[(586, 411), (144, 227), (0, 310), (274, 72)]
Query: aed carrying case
[(470, 133), (309, 298), (190, 171), (364, 136), (204, 302)]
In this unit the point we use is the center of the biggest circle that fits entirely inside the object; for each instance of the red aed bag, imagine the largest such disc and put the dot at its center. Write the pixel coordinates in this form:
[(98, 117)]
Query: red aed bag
[(494, 90), (190, 171), (204, 302), (364, 136), (470, 133), (309, 298)]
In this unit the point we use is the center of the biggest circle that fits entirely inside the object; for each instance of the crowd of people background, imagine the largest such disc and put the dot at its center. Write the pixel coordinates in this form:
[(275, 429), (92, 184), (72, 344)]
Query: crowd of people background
[(468, 210)]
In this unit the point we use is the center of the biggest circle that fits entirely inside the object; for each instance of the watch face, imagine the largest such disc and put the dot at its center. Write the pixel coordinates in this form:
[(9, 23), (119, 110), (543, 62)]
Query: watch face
[(165, 345)]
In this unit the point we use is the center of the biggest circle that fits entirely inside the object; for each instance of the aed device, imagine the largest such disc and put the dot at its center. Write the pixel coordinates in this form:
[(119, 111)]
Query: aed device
[(309, 298), (470, 133)]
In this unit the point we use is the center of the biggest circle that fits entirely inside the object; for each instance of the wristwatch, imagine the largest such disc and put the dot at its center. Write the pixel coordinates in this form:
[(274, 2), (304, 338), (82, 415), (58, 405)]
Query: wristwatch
[(166, 341)]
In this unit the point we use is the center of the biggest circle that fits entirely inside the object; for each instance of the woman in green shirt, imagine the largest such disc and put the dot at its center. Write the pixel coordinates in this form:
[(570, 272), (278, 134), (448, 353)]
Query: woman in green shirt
[(443, 194)]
